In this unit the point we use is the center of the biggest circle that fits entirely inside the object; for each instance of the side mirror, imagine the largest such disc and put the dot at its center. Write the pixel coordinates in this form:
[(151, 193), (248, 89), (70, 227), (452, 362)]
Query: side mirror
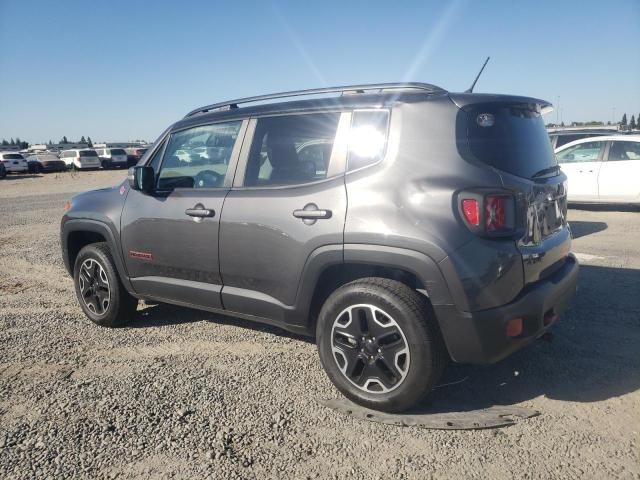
[(142, 178)]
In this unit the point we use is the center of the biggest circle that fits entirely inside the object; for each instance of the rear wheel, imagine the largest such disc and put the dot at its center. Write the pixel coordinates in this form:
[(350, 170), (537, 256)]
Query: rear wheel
[(379, 344), (100, 292)]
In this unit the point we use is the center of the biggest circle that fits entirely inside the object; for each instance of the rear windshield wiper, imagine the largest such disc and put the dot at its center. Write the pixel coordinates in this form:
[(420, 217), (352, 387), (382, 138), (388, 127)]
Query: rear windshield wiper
[(545, 171)]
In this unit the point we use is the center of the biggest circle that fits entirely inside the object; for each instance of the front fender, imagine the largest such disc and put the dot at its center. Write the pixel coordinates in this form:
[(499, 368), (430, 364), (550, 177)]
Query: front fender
[(68, 226)]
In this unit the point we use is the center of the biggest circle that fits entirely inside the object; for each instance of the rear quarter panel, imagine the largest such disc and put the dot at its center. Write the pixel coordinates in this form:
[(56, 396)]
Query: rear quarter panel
[(409, 200)]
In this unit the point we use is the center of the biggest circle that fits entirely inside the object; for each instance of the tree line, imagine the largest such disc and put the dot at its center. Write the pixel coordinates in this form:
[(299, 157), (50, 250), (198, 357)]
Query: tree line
[(15, 143), (633, 124), (87, 140), (19, 143)]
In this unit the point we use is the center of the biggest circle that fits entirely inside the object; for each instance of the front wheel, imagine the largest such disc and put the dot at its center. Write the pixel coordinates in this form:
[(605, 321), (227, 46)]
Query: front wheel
[(379, 344), (100, 292)]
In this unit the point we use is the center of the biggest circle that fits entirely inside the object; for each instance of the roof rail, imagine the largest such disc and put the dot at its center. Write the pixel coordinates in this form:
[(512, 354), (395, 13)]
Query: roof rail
[(345, 90)]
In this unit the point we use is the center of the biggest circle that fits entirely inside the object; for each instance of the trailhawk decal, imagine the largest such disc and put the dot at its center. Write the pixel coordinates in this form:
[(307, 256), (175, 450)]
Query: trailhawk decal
[(141, 255)]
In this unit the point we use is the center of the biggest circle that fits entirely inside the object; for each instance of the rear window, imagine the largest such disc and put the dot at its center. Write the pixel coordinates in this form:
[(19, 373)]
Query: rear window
[(511, 138), (117, 151), (12, 156), (88, 153)]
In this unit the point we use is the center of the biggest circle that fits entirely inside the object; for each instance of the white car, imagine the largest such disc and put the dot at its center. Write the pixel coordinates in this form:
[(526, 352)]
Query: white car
[(14, 162), (80, 158), (112, 157), (602, 169)]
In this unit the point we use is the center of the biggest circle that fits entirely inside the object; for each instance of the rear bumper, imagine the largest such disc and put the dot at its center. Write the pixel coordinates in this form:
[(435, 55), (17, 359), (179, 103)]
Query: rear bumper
[(480, 337), (16, 168)]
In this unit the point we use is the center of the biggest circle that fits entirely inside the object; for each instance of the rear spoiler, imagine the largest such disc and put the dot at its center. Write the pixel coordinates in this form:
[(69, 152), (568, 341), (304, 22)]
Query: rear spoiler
[(462, 100)]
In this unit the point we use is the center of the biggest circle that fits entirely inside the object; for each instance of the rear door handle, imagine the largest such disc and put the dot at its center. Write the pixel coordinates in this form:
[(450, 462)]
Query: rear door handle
[(312, 214), (200, 212)]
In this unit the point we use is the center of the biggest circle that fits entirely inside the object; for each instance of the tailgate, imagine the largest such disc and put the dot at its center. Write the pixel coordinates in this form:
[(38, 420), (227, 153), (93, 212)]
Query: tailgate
[(508, 135)]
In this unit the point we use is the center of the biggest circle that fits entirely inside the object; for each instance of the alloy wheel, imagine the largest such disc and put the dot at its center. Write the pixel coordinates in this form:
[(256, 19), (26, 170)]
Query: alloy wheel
[(370, 348), (94, 286)]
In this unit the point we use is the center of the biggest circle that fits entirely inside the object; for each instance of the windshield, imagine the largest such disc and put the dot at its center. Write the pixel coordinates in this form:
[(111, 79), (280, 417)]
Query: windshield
[(511, 138), (117, 151), (88, 153)]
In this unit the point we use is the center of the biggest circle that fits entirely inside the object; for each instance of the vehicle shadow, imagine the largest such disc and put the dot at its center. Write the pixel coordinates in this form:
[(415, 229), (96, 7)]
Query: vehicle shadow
[(163, 314), (591, 356), (605, 207), (582, 229), (20, 176)]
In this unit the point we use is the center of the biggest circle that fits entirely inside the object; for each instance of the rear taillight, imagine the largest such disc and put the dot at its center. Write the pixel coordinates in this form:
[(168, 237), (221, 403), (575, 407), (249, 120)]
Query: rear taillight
[(471, 211), (495, 212), (488, 213)]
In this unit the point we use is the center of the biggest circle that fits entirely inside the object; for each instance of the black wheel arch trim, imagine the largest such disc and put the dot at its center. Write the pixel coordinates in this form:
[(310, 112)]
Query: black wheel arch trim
[(87, 225), (425, 269)]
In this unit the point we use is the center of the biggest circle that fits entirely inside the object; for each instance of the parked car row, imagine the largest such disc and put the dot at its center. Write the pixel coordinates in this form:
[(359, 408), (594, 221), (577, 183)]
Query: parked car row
[(75, 159)]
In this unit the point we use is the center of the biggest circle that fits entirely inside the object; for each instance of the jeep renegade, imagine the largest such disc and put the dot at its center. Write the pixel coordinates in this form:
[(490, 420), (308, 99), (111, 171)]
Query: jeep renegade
[(402, 225)]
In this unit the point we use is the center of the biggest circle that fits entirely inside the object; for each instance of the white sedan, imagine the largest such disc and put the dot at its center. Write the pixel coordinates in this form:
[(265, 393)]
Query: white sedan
[(602, 169)]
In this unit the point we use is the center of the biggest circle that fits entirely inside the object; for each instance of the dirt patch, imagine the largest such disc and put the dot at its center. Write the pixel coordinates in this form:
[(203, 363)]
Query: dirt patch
[(188, 394)]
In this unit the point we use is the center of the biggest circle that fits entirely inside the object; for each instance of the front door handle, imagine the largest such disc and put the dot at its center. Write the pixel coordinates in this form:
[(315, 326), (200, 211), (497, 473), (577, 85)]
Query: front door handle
[(312, 214), (200, 212)]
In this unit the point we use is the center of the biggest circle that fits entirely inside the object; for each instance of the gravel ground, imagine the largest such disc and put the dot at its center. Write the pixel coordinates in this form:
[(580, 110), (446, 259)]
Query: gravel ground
[(187, 394)]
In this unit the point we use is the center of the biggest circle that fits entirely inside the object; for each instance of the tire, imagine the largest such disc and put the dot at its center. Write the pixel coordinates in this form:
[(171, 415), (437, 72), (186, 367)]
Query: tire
[(105, 300), (395, 371)]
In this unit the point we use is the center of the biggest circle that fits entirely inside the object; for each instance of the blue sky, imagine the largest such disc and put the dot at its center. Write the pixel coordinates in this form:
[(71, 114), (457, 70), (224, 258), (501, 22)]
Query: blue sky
[(119, 70)]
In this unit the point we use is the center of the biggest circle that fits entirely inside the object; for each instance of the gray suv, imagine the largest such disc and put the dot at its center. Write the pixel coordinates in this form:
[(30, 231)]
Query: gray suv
[(402, 225)]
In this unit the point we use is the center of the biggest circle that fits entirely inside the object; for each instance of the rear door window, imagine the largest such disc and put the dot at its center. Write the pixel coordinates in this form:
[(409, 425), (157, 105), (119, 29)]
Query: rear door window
[(291, 149), (118, 151), (508, 137), (621, 151), (13, 156), (88, 153)]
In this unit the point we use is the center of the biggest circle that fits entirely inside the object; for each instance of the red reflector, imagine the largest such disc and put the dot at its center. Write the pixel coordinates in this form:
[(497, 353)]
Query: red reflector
[(514, 327), (471, 211), (494, 213)]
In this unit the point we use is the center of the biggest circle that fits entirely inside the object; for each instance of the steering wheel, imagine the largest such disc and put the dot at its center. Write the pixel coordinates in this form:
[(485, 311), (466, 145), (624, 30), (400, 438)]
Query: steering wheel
[(208, 179)]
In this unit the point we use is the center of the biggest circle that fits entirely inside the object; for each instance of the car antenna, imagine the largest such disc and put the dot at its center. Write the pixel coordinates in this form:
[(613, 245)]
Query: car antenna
[(479, 73)]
